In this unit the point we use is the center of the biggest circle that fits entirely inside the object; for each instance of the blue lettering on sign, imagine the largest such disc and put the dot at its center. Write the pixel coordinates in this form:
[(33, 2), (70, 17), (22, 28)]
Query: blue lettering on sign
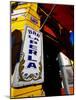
[(31, 64), (32, 48), (30, 32), (30, 58), (32, 41), (30, 37), (38, 35), (32, 52), (36, 39), (33, 38), (34, 33)]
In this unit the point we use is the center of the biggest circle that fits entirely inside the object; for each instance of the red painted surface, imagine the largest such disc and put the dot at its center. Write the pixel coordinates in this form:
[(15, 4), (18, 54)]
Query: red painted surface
[(64, 14), (49, 31)]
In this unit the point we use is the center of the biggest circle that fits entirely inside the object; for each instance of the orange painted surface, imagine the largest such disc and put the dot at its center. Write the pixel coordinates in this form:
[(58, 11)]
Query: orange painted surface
[(71, 91)]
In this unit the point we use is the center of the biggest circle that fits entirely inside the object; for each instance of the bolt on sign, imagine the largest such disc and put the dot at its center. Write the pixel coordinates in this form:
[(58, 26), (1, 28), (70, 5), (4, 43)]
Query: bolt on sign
[(30, 69)]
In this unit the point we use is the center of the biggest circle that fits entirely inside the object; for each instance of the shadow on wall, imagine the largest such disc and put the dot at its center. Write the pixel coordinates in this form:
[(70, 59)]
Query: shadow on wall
[(16, 41)]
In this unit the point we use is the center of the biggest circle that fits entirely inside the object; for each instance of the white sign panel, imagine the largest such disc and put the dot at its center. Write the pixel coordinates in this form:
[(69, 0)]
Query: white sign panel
[(31, 69)]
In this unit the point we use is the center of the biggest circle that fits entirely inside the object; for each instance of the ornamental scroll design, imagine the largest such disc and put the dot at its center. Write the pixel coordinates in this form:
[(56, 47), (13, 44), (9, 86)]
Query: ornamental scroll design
[(31, 76)]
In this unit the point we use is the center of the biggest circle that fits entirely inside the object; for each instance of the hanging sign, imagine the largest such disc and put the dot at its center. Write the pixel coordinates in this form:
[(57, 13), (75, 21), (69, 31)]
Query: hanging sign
[(34, 20), (30, 70)]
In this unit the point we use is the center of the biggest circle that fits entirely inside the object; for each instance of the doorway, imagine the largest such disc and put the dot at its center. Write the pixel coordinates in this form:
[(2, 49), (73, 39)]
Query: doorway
[(52, 81)]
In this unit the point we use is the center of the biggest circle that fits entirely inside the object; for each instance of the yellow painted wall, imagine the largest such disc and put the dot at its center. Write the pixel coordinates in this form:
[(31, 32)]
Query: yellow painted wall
[(19, 23)]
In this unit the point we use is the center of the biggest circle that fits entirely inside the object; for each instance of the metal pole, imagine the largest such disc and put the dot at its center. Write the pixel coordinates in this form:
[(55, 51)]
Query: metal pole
[(48, 16)]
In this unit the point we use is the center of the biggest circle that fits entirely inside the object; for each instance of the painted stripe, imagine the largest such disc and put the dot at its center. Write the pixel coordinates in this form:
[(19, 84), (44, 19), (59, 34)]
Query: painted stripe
[(18, 15), (19, 11)]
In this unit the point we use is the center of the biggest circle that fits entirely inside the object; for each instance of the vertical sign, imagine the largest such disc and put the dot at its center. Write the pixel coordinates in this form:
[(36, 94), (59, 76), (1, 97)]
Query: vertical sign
[(30, 68)]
